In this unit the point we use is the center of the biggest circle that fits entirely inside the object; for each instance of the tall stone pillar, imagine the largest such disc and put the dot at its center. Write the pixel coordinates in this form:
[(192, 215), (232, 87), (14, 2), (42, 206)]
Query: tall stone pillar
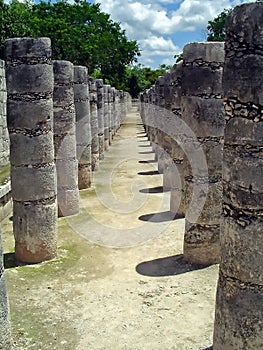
[(65, 139), (118, 109), (160, 122), (106, 117), (113, 112), (111, 115), (239, 302), (168, 163), (94, 124), (177, 203), (152, 117), (83, 128), (29, 76), (122, 105), (4, 137), (100, 106), (5, 336), (203, 111)]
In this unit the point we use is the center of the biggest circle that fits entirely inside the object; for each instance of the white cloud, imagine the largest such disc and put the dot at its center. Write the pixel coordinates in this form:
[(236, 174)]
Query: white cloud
[(152, 22)]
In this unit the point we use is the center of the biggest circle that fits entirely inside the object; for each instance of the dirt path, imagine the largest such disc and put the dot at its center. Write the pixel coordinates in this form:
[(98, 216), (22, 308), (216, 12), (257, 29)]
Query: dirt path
[(119, 281)]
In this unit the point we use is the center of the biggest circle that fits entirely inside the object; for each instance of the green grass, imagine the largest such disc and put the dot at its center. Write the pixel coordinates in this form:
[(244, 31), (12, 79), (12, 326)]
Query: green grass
[(4, 175)]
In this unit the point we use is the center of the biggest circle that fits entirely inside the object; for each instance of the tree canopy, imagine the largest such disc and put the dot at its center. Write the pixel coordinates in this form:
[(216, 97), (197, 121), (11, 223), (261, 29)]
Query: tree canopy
[(216, 27), (139, 78), (80, 32)]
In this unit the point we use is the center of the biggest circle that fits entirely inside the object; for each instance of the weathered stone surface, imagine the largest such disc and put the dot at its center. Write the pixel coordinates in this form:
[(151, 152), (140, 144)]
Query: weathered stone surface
[(239, 303), (29, 78), (112, 113), (106, 116), (244, 175), (4, 137), (237, 78), (239, 254), (34, 241), (94, 124), (28, 49), (30, 87), (204, 116), (39, 118), (25, 178), (203, 159), (63, 144), (204, 202), (203, 111), (243, 131), (28, 150), (206, 51), (100, 106), (201, 81), (201, 243), (65, 138), (239, 317), (83, 127), (69, 202)]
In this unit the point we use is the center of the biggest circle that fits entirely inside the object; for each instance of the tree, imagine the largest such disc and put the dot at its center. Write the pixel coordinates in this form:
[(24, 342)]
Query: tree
[(14, 19), (140, 78), (216, 27), (80, 32)]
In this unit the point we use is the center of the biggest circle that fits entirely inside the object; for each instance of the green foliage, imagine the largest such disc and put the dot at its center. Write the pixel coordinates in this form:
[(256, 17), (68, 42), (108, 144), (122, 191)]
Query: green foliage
[(178, 57), (80, 32), (139, 78), (216, 27), (14, 19)]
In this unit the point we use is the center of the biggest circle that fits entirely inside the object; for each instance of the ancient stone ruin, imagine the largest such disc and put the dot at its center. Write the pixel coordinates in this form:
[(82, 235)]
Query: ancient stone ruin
[(239, 304), (30, 84), (202, 109), (221, 198), (204, 121), (65, 139), (83, 130)]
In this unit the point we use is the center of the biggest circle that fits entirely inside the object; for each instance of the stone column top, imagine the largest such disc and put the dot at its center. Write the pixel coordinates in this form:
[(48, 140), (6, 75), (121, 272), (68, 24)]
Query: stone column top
[(205, 51), (80, 75), (27, 48)]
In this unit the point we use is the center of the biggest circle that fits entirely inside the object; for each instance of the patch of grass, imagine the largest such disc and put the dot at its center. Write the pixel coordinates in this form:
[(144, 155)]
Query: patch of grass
[(4, 175)]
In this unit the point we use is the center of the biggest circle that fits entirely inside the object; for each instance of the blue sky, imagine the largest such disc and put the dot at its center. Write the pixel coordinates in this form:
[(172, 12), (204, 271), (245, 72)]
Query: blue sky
[(163, 27)]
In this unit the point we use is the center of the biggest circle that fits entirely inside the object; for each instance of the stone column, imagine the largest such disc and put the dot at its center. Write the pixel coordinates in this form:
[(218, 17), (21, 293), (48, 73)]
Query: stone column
[(177, 203), (94, 124), (65, 138), (29, 76), (106, 116), (160, 122), (111, 115), (4, 137), (113, 112), (83, 128), (239, 302), (5, 336), (168, 164), (203, 111), (122, 106), (100, 107), (118, 106), (152, 117)]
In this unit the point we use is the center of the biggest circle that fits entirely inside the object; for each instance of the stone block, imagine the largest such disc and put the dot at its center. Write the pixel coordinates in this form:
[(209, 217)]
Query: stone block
[(26, 150), (205, 51), (33, 183), (33, 226)]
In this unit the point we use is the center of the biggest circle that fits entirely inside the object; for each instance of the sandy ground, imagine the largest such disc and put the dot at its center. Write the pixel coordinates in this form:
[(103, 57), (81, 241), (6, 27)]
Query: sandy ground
[(119, 281)]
